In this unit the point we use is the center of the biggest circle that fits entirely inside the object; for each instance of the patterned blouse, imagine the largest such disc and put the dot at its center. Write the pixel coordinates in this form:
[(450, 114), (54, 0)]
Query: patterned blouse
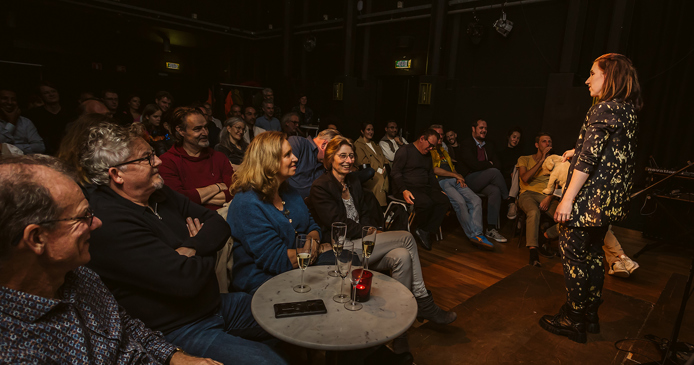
[(84, 326), (605, 150)]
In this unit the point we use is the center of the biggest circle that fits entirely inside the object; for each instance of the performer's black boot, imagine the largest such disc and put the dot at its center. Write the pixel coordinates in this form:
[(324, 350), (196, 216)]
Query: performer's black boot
[(568, 322), (592, 325)]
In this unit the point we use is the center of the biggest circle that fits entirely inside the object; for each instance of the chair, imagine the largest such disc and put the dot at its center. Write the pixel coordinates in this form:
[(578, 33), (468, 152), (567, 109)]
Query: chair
[(410, 209)]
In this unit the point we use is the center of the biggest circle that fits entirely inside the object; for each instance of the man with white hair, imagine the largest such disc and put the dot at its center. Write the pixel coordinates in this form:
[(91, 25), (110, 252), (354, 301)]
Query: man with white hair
[(156, 252), (309, 152)]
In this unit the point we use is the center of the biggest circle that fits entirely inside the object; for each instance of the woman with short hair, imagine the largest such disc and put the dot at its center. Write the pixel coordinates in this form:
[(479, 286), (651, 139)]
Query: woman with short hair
[(337, 196)]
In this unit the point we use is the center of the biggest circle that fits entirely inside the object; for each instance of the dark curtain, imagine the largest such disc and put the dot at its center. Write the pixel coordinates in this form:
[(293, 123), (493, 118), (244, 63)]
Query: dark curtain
[(661, 47)]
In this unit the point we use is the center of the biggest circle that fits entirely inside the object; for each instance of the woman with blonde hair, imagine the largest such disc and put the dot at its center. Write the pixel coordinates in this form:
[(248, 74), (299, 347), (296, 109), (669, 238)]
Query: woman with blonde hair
[(597, 194), (337, 196), (267, 214)]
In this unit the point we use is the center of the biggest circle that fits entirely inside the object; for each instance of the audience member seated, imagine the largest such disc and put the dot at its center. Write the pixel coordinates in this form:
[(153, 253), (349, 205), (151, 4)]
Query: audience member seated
[(453, 147), (305, 113), (156, 252), (533, 179), (415, 182), (91, 106), (15, 129), (133, 109), (110, 99), (508, 158), (337, 196), (290, 125), (467, 205), (367, 152), (267, 213), (309, 152), (193, 168), (480, 167), (164, 100), (231, 142), (54, 310), (212, 130), (252, 130), (208, 109), (235, 111), (267, 121), (156, 135), (391, 142), (50, 119), (267, 95)]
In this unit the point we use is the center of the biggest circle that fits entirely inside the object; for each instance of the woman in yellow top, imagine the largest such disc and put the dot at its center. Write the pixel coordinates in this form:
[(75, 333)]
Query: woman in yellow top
[(367, 151)]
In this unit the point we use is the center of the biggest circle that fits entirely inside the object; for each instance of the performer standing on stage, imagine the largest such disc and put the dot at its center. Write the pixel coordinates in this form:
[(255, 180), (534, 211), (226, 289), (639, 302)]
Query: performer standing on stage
[(600, 179)]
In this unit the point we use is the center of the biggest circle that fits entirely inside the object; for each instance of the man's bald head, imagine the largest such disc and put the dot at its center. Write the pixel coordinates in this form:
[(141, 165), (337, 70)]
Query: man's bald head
[(93, 106)]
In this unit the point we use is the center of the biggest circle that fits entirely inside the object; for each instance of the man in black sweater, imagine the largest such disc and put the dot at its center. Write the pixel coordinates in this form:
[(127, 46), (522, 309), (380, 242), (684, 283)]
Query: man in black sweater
[(480, 166), (414, 181), (158, 259)]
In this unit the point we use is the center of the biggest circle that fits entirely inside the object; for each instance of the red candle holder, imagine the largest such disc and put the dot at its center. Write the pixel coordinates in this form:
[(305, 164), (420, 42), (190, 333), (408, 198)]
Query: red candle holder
[(363, 292)]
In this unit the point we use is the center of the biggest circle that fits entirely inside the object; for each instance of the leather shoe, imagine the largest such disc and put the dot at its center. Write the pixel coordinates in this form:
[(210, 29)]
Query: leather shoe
[(592, 320), (568, 322), (423, 238)]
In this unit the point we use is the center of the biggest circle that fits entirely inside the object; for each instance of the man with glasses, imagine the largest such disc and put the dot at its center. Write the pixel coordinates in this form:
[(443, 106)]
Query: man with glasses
[(193, 168), (309, 152), (54, 310), (156, 252), (413, 179)]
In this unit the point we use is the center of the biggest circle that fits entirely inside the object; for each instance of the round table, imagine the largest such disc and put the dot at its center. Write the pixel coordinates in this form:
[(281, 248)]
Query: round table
[(389, 312)]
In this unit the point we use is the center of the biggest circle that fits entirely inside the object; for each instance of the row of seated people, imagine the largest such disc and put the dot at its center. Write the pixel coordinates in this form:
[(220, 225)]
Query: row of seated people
[(155, 251)]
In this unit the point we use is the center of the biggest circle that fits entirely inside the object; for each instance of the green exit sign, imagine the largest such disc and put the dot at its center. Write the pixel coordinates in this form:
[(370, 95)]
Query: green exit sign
[(403, 64), (172, 65)]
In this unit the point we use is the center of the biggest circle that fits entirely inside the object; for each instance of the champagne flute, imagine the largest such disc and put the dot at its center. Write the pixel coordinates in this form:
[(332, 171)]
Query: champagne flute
[(344, 264), (368, 241), (355, 279), (339, 231), (303, 257)]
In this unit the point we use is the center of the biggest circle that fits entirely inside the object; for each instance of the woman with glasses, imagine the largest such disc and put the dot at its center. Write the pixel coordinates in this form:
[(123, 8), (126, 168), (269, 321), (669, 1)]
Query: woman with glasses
[(337, 196), (370, 153), (267, 214), (231, 142)]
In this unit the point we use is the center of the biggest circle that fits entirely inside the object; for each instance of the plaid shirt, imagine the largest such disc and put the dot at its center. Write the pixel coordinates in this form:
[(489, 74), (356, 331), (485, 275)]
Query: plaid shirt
[(84, 326)]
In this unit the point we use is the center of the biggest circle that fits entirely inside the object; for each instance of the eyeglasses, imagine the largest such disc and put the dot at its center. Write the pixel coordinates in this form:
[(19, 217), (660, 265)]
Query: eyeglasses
[(149, 158), (88, 218), (344, 156), (431, 146)]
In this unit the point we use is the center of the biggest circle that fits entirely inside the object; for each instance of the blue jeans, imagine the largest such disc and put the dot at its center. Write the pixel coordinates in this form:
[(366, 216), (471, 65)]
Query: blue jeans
[(467, 206), (491, 183), (227, 336)]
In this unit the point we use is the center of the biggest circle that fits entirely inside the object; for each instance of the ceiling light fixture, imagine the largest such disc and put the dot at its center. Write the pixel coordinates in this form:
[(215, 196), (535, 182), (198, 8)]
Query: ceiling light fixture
[(502, 25)]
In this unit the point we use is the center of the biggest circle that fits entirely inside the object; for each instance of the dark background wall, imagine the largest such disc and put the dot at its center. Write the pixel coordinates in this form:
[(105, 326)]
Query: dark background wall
[(532, 78)]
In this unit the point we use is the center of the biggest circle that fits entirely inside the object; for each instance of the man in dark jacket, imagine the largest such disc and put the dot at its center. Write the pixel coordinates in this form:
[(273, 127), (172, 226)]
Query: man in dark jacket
[(480, 166), (414, 181), (157, 250)]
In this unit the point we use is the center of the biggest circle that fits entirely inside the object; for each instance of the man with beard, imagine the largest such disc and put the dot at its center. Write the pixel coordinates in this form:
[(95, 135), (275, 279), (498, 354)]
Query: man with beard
[(479, 165), (156, 253), (193, 168), (391, 142)]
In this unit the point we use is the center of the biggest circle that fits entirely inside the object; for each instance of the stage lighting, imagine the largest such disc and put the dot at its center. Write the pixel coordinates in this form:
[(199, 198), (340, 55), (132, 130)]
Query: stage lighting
[(502, 25)]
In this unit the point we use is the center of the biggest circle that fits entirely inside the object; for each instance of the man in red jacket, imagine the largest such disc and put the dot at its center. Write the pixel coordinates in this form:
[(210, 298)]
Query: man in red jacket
[(193, 168)]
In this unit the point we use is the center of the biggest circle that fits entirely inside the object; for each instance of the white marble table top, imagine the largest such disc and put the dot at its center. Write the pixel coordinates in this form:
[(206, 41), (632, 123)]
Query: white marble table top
[(390, 311)]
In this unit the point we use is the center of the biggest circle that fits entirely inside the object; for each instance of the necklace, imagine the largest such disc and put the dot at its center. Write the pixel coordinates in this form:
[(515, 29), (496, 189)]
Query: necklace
[(285, 212), (155, 210)]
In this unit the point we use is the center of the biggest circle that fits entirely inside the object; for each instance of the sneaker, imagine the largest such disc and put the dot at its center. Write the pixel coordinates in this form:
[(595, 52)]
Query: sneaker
[(629, 264), (546, 251), (482, 242), (512, 211), (495, 235)]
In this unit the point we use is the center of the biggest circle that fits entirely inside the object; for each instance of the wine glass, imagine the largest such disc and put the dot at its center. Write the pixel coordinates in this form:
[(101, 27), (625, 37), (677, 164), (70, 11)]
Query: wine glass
[(303, 257), (339, 231), (344, 256), (355, 275), (368, 241)]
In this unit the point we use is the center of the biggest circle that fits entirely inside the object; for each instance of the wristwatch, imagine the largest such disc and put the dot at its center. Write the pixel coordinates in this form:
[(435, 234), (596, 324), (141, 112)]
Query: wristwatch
[(178, 349)]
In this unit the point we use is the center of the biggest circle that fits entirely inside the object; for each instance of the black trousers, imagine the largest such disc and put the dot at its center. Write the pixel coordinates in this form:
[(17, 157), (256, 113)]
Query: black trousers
[(430, 206), (582, 258)]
